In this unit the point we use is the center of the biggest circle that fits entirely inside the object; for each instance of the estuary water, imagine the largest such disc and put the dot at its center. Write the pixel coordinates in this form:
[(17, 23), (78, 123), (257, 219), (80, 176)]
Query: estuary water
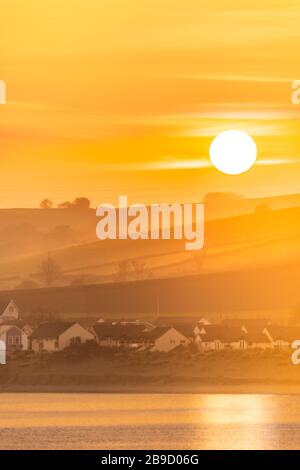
[(149, 421)]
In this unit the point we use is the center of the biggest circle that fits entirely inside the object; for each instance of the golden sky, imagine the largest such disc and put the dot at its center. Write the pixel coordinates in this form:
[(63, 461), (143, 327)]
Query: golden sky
[(109, 97)]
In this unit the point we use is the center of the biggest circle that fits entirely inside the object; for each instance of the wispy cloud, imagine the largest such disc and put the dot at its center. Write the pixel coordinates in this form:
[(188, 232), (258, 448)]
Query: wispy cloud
[(183, 163)]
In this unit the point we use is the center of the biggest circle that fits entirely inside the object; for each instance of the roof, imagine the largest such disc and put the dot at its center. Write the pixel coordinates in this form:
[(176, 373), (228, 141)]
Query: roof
[(17, 323), (3, 305), (85, 322), (257, 337), (157, 332), (51, 330), (222, 333), (6, 328), (119, 331), (186, 329), (249, 323), (176, 320), (285, 333)]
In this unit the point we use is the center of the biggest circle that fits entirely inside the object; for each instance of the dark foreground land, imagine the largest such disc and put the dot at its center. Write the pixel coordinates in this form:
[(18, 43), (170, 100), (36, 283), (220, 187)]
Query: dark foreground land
[(93, 369)]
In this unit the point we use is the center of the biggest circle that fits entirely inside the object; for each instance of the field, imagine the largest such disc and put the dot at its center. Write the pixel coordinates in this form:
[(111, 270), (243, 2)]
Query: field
[(248, 240), (116, 371), (220, 293)]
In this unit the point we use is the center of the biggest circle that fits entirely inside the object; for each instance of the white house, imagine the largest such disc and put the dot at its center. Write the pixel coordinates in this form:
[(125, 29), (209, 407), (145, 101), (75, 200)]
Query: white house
[(218, 337), (58, 336), (147, 325), (165, 339), (13, 337), (9, 311), (121, 334), (282, 337), (259, 339)]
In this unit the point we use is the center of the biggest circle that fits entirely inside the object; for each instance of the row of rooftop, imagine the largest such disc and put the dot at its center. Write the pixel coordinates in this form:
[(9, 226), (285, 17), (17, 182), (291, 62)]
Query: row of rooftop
[(235, 334)]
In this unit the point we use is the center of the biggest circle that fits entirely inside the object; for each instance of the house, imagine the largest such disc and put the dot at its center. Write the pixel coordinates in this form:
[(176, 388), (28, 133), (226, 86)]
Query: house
[(165, 339), (26, 331), (57, 336), (138, 335), (120, 334), (219, 337), (147, 324), (255, 330), (257, 339), (13, 337), (8, 311), (282, 336), (10, 316)]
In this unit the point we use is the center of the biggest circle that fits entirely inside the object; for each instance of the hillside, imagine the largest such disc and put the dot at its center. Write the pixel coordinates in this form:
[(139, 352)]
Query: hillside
[(265, 289), (246, 241), (26, 231)]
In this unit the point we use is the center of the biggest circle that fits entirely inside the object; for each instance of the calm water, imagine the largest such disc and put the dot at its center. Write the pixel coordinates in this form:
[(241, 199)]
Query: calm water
[(79, 421)]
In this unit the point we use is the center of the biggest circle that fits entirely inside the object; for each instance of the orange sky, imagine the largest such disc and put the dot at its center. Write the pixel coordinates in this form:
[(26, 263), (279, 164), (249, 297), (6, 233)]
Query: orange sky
[(109, 97)]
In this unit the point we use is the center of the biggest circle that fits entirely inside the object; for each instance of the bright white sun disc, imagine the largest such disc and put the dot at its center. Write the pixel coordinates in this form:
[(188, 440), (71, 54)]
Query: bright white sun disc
[(233, 152)]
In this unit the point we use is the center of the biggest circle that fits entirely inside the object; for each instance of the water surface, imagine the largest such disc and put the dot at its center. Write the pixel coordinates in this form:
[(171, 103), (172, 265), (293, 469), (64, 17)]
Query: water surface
[(149, 421)]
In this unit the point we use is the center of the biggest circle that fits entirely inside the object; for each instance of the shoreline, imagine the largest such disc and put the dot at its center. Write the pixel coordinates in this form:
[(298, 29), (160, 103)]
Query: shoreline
[(243, 389)]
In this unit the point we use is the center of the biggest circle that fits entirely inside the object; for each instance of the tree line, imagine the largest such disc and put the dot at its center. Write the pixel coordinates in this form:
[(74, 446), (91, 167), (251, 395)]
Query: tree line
[(77, 203)]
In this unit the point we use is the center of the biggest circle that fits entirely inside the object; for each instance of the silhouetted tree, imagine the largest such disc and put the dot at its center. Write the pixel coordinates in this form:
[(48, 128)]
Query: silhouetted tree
[(46, 204), (81, 203), (65, 205), (139, 268)]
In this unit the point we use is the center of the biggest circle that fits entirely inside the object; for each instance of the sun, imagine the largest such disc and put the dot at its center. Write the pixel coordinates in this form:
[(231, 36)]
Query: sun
[(233, 152)]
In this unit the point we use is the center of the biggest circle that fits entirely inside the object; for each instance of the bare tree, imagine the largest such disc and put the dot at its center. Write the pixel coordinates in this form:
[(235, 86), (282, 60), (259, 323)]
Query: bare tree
[(49, 271), (139, 268), (124, 268)]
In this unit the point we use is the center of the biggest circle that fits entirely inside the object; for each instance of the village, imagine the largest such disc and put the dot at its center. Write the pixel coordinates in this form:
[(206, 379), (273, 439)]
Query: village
[(163, 336)]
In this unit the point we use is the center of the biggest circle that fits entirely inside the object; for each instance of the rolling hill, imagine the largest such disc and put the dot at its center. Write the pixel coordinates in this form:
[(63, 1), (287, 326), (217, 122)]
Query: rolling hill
[(262, 289), (246, 241)]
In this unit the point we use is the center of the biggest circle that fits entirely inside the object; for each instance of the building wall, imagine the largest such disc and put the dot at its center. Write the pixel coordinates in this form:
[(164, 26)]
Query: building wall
[(281, 344), (261, 345), (50, 345), (169, 340), (237, 345), (108, 342), (13, 338), (25, 342), (204, 346), (2, 352), (76, 331), (220, 346), (115, 343)]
